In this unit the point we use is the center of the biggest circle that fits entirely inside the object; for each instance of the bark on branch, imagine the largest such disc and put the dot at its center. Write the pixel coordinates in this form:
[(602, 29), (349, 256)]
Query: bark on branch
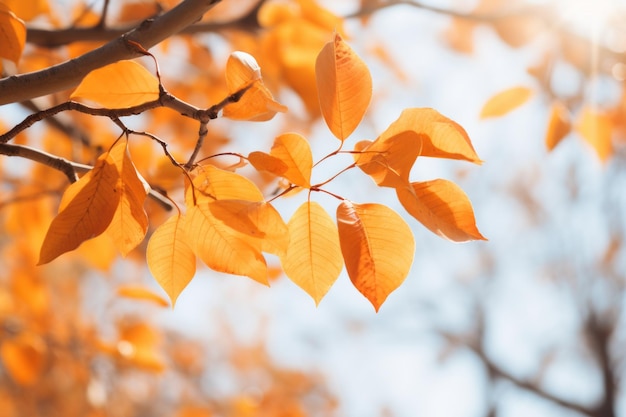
[(68, 74)]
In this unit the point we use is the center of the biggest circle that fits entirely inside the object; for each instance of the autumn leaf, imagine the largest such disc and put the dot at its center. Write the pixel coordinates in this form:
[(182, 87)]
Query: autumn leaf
[(12, 34), (118, 85), (257, 103), (87, 207), (27, 10), (294, 151), (313, 259), (417, 132), (218, 184), (596, 128), (442, 207), (223, 248), (559, 125), (138, 345), (505, 102), (130, 221), (170, 258), (136, 292), (262, 161), (377, 247), (344, 85)]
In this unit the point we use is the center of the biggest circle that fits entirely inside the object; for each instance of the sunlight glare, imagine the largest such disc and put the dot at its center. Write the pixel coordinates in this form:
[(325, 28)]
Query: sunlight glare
[(587, 16)]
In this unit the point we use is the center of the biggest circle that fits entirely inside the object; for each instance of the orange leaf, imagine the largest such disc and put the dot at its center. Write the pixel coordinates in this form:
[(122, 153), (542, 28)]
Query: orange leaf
[(344, 86), (87, 207), (140, 293), (596, 127), (220, 184), (23, 358), (313, 259), (170, 258), (118, 85), (257, 220), (222, 248), (389, 160), (257, 103), (12, 34), (442, 207), (377, 247), (558, 125), (294, 151), (130, 222), (262, 161), (505, 102)]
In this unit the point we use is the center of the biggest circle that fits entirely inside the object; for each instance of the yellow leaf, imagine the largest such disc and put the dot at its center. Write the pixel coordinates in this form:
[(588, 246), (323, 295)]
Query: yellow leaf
[(442, 207), (219, 184), (377, 247), (262, 161), (222, 248), (86, 210), (558, 125), (596, 127), (257, 220), (344, 86), (313, 259), (24, 358), (12, 34), (140, 293), (257, 103), (294, 151), (505, 102), (130, 221), (170, 257), (118, 85)]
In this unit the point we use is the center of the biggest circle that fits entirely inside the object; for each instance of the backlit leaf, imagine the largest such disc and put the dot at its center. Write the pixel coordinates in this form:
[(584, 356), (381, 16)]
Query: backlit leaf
[(313, 259), (130, 222), (27, 10), (377, 247), (294, 151), (344, 86), (219, 184), (136, 292), (596, 127), (118, 85), (87, 208), (221, 247), (24, 358), (559, 125), (440, 137), (12, 34), (257, 220), (442, 207), (138, 345), (257, 103), (262, 161), (505, 102), (170, 258)]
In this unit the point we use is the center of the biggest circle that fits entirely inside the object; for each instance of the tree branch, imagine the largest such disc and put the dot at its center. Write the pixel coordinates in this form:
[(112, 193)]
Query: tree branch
[(69, 168), (68, 74)]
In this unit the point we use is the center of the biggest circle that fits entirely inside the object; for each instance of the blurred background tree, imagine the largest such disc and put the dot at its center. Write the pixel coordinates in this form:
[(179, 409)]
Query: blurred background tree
[(529, 323)]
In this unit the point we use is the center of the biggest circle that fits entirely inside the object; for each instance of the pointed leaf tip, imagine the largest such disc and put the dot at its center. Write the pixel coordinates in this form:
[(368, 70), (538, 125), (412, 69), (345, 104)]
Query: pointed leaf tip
[(313, 259), (344, 86), (377, 246)]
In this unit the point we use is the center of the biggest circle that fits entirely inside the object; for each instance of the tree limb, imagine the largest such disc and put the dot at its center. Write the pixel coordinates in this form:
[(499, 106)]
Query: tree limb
[(69, 74)]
